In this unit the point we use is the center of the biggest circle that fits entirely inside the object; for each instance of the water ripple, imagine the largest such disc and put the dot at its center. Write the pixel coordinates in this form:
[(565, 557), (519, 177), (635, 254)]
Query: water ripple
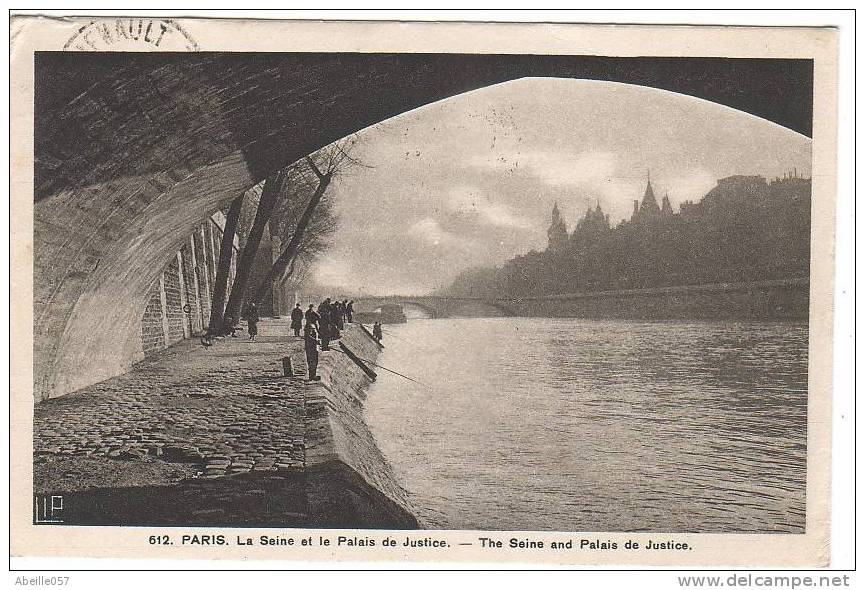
[(567, 424)]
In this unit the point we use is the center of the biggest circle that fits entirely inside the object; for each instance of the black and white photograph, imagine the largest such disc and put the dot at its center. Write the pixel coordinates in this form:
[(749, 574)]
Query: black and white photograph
[(420, 291)]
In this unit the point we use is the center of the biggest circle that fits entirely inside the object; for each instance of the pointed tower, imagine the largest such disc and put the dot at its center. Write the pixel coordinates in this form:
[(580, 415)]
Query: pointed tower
[(558, 232), (666, 208), (649, 206), (601, 220)]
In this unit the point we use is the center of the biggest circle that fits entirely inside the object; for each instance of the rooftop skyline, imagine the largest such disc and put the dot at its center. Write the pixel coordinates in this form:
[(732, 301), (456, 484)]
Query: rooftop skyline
[(470, 181)]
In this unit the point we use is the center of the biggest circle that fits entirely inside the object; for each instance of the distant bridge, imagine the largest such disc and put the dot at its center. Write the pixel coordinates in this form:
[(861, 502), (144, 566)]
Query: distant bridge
[(437, 306), (782, 298)]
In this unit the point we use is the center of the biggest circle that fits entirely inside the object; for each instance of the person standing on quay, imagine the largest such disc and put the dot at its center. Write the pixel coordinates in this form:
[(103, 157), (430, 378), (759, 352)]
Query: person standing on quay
[(311, 316), (324, 324), (311, 346), (376, 332), (349, 310), (296, 320), (336, 318), (230, 327), (252, 320)]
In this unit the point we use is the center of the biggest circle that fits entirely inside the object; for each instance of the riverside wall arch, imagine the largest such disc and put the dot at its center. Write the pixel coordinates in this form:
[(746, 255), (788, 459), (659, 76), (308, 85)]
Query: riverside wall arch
[(133, 151)]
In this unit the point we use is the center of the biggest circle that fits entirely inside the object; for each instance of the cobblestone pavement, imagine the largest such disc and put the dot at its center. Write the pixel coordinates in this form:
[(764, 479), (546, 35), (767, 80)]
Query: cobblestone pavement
[(222, 410)]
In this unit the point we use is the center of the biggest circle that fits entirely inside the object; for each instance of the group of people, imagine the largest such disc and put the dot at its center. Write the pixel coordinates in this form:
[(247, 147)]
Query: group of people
[(322, 326), (330, 318)]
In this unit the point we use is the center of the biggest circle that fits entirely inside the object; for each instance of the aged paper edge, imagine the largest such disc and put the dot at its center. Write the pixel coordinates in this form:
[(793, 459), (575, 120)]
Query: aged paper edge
[(30, 34)]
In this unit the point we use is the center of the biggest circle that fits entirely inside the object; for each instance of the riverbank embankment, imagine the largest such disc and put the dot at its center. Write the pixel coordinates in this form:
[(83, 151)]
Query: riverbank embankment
[(774, 300), (220, 437), (763, 300)]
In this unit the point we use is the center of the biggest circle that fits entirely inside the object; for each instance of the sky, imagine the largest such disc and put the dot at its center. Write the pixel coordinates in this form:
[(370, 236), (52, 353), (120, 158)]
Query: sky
[(471, 181)]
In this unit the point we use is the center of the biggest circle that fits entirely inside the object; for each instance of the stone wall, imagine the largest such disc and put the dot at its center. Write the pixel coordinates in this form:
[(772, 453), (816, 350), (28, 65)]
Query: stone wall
[(152, 334), (787, 301), (165, 321), (347, 475), (190, 283), (174, 315)]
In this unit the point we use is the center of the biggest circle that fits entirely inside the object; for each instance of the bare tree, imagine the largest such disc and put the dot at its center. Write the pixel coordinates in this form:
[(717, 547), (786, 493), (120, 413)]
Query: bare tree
[(271, 191), (292, 203), (305, 230), (225, 251)]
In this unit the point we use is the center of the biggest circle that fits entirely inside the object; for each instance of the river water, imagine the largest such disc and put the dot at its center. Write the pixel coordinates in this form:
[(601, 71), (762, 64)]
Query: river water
[(596, 425)]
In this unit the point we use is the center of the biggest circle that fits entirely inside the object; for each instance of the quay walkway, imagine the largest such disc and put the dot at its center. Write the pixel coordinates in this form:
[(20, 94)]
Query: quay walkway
[(191, 414)]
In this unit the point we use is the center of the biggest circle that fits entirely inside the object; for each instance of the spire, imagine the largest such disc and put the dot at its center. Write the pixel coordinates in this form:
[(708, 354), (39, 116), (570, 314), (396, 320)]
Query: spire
[(558, 231), (556, 217), (650, 203), (593, 223), (666, 208)]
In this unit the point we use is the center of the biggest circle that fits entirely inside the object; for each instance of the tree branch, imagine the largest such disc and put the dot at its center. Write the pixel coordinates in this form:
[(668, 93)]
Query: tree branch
[(314, 168)]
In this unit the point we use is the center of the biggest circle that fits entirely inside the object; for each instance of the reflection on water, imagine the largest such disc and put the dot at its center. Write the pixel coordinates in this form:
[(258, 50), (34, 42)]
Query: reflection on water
[(570, 424)]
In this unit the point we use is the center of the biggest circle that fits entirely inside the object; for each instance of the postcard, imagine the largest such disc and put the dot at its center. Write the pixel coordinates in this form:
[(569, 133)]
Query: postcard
[(422, 292)]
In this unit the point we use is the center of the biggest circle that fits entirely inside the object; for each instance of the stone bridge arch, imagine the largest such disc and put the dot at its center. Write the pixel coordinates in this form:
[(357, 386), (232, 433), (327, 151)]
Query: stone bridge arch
[(133, 151), (437, 307)]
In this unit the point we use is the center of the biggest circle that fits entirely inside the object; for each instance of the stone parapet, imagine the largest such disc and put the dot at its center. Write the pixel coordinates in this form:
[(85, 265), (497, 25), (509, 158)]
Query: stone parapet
[(354, 475)]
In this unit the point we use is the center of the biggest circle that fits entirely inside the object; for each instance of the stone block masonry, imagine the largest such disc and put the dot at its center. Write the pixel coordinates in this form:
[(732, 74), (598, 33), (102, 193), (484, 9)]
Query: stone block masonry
[(178, 303), (152, 334), (190, 283), (173, 302), (352, 472)]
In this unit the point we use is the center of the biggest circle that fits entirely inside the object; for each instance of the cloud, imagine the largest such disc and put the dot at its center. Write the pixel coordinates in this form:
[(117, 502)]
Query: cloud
[(691, 185), (465, 200), (579, 179), (337, 273), (515, 149), (431, 233), (333, 272), (551, 167)]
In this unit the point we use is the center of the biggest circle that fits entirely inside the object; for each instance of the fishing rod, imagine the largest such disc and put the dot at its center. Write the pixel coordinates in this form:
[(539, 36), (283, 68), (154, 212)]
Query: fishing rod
[(383, 368), (409, 342)]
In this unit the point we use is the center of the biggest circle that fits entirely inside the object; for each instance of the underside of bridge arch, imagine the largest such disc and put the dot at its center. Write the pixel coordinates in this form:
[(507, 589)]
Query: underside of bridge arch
[(133, 151)]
